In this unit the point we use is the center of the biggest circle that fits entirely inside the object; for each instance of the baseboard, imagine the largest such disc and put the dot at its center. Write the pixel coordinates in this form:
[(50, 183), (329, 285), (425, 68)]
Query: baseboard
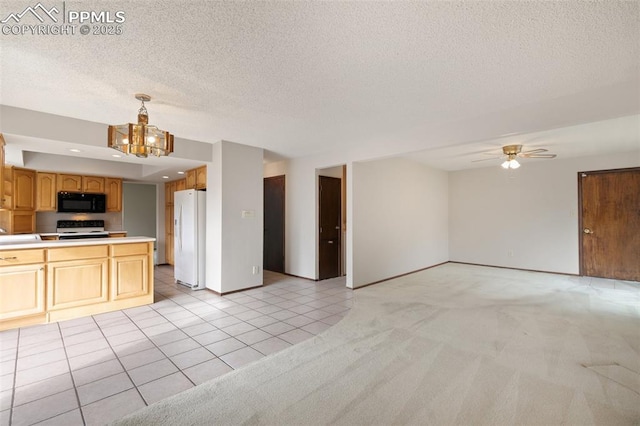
[(401, 275), (515, 269)]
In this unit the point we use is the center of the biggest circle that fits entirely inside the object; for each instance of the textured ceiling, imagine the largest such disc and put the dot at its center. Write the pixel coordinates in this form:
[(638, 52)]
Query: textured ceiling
[(299, 78)]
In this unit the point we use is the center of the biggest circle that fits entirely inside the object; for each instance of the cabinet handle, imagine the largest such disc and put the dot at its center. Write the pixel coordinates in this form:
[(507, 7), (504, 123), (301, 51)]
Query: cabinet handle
[(9, 258)]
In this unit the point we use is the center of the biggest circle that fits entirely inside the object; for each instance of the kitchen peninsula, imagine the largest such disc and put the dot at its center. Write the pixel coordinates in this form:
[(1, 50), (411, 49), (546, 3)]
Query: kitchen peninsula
[(55, 280)]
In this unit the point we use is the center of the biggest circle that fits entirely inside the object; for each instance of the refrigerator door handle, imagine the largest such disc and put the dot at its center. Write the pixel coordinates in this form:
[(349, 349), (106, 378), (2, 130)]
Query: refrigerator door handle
[(180, 229)]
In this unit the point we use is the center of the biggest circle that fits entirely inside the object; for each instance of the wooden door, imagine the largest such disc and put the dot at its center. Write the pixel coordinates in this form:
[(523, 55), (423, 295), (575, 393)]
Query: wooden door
[(201, 177), (71, 183), (273, 243), (329, 232), (24, 189), (190, 179), (113, 189), (610, 224), (93, 184), (46, 197)]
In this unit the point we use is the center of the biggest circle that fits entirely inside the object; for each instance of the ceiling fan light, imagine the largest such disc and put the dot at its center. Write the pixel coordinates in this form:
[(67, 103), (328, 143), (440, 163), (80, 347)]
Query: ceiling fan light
[(505, 165), (514, 164)]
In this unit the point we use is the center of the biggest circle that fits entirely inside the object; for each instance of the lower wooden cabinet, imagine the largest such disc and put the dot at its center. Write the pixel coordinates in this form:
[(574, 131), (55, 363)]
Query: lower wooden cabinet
[(59, 283), (21, 291), (77, 282), (22, 287), (130, 270)]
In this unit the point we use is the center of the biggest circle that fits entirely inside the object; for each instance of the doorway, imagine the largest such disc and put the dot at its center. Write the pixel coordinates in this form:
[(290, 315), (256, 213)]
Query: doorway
[(330, 227), (273, 242), (610, 223)]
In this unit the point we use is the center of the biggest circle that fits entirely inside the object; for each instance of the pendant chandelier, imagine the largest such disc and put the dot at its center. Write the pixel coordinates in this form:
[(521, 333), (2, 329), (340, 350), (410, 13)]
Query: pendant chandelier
[(140, 139)]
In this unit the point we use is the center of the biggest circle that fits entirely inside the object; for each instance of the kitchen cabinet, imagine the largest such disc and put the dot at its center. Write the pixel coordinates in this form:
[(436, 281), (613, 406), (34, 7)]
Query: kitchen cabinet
[(77, 276), (168, 194), (2, 199), (19, 194), (113, 189), (196, 178), (46, 195), (22, 286), (201, 177), (69, 279), (93, 184), (168, 234), (191, 179), (181, 185), (130, 265), (24, 189), (69, 183), (19, 222)]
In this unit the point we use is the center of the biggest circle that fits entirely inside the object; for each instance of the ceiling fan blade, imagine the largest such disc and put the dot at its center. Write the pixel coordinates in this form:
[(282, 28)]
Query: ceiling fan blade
[(539, 155), (485, 159), (534, 151)]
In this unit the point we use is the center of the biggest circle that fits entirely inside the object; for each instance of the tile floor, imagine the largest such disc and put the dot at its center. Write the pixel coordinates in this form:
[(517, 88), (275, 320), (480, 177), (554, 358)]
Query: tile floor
[(97, 369)]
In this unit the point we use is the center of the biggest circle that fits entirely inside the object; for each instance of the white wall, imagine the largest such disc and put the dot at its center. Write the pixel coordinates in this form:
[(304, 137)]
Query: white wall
[(525, 218), (234, 242), (400, 219)]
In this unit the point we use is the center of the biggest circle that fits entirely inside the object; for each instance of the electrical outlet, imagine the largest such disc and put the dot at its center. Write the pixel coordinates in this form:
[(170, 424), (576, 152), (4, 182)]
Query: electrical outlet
[(510, 253), (256, 270)]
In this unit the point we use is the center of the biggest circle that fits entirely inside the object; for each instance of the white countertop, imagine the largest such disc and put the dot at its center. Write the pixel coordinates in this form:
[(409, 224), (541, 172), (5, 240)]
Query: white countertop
[(55, 234), (73, 243)]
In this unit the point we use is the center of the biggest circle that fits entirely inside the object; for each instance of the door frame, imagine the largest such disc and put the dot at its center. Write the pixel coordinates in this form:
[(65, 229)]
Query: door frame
[(580, 222)]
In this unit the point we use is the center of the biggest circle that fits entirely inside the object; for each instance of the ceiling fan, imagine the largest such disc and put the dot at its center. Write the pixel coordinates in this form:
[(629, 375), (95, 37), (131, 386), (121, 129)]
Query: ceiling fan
[(511, 152)]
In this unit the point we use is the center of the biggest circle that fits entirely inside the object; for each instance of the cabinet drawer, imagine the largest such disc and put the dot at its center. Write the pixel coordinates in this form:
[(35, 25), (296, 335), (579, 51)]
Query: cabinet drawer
[(129, 249), (21, 257), (75, 253)]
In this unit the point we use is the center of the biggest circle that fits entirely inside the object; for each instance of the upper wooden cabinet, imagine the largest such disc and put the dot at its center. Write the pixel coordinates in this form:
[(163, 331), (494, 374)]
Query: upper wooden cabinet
[(191, 179), (24, 189), (201, 177), (71, 183), (93, 184), (113, 189), (196, 178), (181, 185), (46, 194)]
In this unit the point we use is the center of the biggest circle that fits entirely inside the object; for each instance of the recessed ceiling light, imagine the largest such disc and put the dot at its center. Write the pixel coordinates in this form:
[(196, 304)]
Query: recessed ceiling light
[(116, 155), (74, 150), (165, 177), (180, 173)]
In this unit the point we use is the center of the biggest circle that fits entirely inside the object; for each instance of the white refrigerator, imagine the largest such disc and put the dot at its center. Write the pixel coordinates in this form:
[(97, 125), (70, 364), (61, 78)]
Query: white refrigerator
[(189, 238)]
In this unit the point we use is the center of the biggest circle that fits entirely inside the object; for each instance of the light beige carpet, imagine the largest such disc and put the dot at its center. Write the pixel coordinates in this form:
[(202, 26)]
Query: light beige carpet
[(455, 344)]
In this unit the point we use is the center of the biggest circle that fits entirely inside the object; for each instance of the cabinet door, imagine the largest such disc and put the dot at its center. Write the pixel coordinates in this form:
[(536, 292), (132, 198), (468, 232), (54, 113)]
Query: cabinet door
[(191, 179), (181, 185), (23, 222), (2, 206), (113, 189), (129, 276), (46, 195), (201, 177), (168, 194), (168, 234), (94, 184), (71, 183), (77, 282), (21, 291), (24, 189)]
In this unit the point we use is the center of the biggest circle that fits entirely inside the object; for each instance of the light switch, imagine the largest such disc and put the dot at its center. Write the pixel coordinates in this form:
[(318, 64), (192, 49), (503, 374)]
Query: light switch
[(246, 214)]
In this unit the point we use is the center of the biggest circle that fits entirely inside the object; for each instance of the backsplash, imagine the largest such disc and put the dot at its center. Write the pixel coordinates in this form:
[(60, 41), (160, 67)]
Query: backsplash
[(46, 221)]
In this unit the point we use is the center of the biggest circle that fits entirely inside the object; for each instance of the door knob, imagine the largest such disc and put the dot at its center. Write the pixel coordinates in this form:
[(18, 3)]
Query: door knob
[(587, 231)]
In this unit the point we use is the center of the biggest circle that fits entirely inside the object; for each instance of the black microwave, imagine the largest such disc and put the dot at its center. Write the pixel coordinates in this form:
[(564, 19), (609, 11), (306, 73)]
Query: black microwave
[(81, 202)]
